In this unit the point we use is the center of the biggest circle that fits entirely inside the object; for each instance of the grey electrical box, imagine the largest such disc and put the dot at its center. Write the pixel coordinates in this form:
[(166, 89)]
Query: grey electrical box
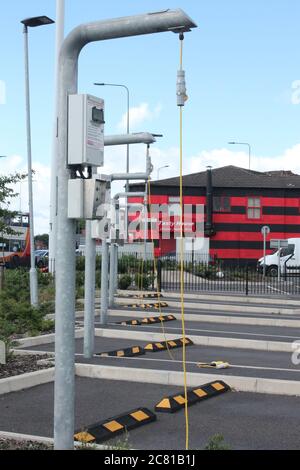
[(85, 130), (86, 198)]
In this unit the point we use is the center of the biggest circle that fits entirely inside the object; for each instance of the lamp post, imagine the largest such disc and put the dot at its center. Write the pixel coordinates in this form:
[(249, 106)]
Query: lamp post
[(31, 23), (128, 130), (249, 149), (160, 168)]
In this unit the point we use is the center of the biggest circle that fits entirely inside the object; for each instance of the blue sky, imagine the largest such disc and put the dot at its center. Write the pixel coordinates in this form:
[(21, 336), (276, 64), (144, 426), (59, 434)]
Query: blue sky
[(240, 65)]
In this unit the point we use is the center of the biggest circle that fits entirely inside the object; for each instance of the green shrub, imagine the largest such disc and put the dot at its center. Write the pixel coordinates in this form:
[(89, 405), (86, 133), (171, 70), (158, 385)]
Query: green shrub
[(80, 263), (125, 282), (142, 281)]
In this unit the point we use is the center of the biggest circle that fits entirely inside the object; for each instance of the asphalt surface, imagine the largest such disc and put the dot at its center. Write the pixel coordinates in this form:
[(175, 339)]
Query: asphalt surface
[(244, 362), (261, 333), (245, 420)]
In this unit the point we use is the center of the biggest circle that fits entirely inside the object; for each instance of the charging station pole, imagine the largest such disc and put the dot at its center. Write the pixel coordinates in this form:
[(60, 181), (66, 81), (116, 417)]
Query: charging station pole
[(64, 389)]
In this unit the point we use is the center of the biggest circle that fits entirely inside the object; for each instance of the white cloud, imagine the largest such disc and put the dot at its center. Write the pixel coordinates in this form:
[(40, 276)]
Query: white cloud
[(138, 115)]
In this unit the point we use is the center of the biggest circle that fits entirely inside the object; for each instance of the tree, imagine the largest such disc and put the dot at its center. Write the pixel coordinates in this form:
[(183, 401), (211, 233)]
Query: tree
[(44, 238), (6, 194)]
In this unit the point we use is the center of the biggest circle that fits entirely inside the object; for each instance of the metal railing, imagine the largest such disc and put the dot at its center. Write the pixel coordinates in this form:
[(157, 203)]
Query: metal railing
[(219, 276)]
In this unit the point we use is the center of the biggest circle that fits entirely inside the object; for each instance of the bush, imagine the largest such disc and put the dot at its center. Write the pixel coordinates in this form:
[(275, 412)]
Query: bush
[(142, 281), (19, 317), (80, 263), (125, 282)]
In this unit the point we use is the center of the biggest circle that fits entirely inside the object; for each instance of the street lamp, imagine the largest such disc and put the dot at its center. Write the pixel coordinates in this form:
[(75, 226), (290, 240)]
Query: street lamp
[(128, 101), (249, 149), (31, 23), (160, 168)]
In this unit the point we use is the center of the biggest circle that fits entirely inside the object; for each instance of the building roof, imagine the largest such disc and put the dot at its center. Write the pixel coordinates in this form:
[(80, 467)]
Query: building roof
[(235, 177)]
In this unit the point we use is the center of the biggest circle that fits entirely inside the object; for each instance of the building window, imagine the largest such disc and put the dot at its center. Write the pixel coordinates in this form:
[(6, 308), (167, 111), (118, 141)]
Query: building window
[(221, 204), (254, 208)]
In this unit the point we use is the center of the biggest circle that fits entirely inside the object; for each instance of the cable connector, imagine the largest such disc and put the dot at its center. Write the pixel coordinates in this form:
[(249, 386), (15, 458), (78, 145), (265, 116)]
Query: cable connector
[(181, 88)]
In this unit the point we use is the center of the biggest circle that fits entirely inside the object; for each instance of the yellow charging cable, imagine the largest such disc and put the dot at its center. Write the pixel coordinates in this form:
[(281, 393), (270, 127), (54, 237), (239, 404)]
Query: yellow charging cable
[(181, 104)]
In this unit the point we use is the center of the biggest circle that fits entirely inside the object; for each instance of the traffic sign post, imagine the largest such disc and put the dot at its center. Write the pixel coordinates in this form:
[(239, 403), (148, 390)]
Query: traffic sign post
[(265, 232)]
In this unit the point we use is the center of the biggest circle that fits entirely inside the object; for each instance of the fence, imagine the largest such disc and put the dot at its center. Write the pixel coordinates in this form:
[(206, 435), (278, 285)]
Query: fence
[(203, 276)]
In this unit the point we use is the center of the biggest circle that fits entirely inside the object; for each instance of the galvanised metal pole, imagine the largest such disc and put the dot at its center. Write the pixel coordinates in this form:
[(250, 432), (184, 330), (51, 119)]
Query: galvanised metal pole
[(33, 272), (112, 275), (60, 33), (116, 268), (169, 20), (89, 292), (104, 283)]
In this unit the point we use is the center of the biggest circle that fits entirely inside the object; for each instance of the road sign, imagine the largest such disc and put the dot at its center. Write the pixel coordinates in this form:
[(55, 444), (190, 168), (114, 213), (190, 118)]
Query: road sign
[(279, 244), (265, 230)]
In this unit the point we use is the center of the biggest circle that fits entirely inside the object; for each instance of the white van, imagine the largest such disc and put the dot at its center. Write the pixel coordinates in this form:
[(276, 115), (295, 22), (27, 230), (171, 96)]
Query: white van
[(289, 257)]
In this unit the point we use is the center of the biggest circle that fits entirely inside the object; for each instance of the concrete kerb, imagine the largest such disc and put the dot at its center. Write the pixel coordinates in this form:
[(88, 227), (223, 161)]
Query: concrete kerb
[(241, 384), (28, 380), (193, 317), (226, 308), (43, 440), (198, 340), (43, 339), (236, 299)]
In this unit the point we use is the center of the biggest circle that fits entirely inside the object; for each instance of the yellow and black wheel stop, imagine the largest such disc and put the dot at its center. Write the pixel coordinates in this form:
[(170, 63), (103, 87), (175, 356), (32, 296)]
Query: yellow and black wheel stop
[(171, 344), (156, 305), (109, 428), (176, 402), (128, 352), (129, 322), (152, 320)]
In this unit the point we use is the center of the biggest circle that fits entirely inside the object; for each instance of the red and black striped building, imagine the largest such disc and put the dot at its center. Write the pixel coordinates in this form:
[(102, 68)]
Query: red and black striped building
[(238, 203)]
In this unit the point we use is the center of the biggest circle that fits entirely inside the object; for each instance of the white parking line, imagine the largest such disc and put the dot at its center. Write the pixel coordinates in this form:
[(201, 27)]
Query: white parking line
[(176, 361)]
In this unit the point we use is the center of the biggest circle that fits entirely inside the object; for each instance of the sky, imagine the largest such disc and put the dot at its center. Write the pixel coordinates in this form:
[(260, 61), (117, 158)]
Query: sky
[(242, 73)]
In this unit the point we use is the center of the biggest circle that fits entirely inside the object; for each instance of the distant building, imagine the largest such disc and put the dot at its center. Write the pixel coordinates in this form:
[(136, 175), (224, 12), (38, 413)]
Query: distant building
[(238, 203)]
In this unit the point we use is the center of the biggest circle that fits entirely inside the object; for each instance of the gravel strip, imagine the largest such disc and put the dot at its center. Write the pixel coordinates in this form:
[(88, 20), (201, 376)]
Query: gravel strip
[(17, 365), (10, 444)]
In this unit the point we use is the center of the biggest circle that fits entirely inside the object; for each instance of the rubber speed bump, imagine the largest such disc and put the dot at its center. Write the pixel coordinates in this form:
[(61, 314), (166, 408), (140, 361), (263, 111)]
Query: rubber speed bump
[(129, 322), (128, 352), (152, 320), (142, 296), (109, 428), (176, 402), (171, 344), (155, 305)]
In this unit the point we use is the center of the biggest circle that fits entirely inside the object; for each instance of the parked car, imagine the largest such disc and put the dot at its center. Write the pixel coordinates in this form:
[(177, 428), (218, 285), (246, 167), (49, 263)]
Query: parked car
[(41, 258)]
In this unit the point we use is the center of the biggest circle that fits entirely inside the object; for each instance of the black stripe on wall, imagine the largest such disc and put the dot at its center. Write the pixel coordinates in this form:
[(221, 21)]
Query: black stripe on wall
[(281, 211), (237, 244), (231, 227)]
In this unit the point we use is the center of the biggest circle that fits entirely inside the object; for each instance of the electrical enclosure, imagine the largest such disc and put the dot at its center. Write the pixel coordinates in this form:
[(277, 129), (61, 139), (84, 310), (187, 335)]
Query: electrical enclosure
[(86, 198), (85, 130)]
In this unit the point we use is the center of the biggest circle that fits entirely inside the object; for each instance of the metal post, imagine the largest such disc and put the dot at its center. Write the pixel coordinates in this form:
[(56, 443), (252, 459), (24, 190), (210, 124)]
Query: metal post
[(116, 268), (145, 221), (1, 277), (169, 20), (60, 32), (279, 271), (265, 248), (89, 291), (247, 279), (33, 272), (111, 275), (104, 283)]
